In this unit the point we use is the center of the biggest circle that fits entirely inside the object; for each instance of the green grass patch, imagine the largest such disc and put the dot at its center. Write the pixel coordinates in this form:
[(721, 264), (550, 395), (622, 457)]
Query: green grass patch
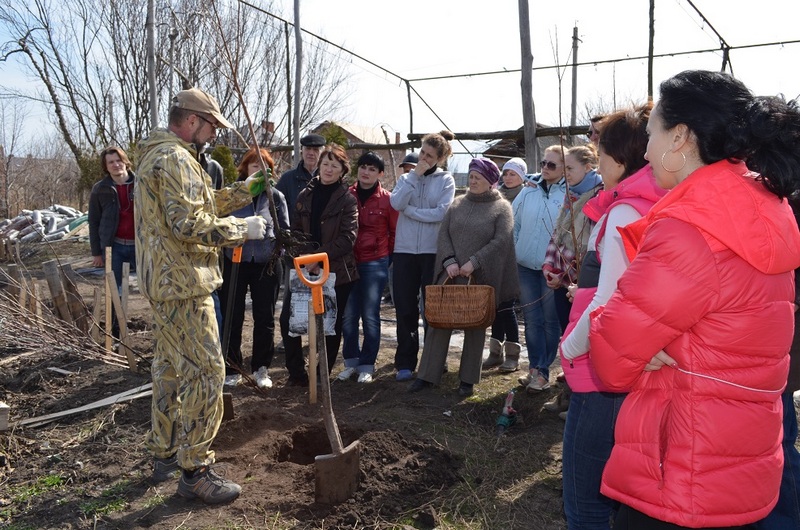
[(42, 485), (111, 500)]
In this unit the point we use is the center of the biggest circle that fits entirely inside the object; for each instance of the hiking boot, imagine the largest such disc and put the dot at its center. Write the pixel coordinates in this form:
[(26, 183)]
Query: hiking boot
[(205, 484), (263, 380), (511, 350), (495, 357), (164, 468), (465, 389)]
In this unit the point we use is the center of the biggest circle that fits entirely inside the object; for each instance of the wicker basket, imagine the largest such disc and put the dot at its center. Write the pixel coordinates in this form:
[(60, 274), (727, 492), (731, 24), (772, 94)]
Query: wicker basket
[(450, 306)]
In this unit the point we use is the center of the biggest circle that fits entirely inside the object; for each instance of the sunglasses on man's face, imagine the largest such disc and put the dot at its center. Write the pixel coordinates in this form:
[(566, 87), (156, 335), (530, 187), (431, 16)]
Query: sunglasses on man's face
[(547, 164)]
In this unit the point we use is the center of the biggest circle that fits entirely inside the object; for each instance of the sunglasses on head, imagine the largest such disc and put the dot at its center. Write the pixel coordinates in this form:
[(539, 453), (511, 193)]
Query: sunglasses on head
[(547, 164)]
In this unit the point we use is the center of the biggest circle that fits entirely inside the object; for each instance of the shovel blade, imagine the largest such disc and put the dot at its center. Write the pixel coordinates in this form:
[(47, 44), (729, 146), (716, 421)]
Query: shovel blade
[(337, 475)]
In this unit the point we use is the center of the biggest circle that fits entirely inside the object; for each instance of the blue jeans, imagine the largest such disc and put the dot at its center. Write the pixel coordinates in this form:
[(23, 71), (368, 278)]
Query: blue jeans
[(588, 440), (542, 330), (786, 513), (365, 304), (122, 254)]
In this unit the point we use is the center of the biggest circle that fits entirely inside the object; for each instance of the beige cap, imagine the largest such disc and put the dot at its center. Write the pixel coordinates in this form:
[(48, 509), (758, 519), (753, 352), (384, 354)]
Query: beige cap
[(198, 101)]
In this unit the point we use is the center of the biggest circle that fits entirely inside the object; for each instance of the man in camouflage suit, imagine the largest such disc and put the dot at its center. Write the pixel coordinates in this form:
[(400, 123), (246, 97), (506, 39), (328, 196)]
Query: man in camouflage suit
[(179, 230)]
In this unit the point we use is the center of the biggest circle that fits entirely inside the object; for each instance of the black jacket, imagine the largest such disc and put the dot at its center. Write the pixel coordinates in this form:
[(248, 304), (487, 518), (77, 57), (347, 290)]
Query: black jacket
[(104, 213)]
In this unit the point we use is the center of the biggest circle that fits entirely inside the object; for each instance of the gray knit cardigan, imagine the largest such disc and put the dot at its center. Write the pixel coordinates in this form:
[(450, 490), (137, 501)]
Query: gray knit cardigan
[(478, 228)]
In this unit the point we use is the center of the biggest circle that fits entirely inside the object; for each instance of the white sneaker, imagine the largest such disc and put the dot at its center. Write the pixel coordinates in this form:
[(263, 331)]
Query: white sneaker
[(262, 378), (346, 374), (233, 380), (364, 377)]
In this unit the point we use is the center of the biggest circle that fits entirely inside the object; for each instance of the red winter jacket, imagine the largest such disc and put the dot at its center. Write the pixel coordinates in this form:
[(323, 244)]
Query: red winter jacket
[(699, 445), (377, 221)]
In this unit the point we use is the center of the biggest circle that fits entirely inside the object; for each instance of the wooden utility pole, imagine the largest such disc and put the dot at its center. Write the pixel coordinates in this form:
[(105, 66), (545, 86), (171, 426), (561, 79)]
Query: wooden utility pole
[(528, 108), (151, 63), (289, 107), (298, 71), (574, 109), (650, 51)]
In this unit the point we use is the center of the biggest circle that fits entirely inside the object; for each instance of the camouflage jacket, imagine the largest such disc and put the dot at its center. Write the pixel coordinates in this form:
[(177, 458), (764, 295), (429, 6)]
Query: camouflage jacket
[(179, 227)]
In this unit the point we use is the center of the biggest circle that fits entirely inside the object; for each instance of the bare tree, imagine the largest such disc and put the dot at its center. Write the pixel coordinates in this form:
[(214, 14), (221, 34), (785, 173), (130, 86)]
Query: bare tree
[(46, 175), (13, 114), (89, 58)]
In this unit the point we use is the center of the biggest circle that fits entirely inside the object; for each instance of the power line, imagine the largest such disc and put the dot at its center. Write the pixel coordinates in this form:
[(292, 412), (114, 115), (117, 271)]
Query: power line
[(606, 61), (724, 46), (326, 41)]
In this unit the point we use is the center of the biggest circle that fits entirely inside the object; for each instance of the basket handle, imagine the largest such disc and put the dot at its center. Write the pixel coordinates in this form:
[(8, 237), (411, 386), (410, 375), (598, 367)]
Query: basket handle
[(448, 278)]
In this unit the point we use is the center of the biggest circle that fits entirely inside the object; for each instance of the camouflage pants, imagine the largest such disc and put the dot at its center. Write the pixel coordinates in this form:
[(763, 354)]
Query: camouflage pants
[(188, 372)]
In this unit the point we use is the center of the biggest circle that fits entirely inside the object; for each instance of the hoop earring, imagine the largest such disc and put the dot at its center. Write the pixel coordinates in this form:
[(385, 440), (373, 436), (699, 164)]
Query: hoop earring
[(673, 170)]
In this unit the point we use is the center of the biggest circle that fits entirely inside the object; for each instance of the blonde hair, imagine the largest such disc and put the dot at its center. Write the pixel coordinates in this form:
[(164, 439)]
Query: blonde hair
[(584, 154)]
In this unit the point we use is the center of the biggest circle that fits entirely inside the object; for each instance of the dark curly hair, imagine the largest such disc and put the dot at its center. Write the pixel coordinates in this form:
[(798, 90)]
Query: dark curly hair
[(729, 122)]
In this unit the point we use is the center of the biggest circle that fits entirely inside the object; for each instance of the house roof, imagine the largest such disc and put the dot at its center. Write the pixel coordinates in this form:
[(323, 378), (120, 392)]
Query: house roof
[(360, 133)]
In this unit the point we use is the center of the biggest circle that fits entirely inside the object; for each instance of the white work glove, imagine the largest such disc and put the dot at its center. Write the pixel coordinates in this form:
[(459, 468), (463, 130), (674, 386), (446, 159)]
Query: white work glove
[(256, 227)]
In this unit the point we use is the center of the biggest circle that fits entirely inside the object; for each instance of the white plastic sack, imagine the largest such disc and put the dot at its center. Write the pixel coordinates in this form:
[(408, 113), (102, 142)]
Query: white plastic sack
[(298, 308)]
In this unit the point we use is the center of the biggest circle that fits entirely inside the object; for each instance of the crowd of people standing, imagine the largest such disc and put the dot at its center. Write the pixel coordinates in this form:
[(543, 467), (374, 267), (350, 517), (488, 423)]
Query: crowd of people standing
[(658, 267)]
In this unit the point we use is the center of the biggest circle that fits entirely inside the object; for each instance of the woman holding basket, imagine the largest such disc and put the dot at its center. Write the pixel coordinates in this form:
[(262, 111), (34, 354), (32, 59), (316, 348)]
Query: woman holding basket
[(475, 232)]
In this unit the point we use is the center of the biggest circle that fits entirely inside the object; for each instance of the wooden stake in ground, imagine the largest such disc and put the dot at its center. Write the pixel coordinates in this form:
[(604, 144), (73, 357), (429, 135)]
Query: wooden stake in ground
[(36, 307), (53, 276), (126, 272), (96, 311), (111, 286), (15, 285), (76, 306), (109, 318)]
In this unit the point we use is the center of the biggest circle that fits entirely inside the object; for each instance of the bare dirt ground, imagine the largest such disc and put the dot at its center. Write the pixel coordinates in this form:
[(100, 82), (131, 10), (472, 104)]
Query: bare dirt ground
[(428, 460)]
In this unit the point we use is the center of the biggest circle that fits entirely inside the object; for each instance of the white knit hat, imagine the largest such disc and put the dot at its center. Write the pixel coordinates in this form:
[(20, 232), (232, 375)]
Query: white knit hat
[(518, 166)]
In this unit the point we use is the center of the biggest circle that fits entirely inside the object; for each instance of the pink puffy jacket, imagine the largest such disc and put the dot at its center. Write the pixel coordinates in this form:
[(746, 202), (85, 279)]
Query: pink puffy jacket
[(641, 192)]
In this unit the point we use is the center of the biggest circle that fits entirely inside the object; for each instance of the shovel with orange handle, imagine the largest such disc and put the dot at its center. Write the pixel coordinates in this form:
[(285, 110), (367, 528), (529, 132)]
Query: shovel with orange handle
[(336, 474)]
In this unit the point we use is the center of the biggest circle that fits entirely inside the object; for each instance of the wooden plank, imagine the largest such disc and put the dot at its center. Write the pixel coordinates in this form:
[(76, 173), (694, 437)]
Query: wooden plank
[(108, 300), (128, 395), (96, 311), (123, 321), (53, 276), (35, 304), (4, 410), (126, 272), (76, 305), (14, 285)]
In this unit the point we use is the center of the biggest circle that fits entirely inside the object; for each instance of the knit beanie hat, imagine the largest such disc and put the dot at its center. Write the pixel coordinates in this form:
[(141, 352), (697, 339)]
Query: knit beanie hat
[(486, 168), (518, 166)]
